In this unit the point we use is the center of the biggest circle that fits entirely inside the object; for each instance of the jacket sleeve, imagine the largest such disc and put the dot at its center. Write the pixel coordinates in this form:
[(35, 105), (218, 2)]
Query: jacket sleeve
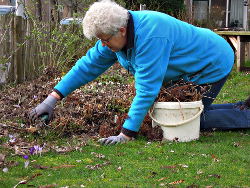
[(95, 62), (152, 57)]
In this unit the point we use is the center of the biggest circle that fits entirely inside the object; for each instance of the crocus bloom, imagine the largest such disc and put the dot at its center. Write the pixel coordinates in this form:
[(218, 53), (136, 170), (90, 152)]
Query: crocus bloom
[(32, 150)]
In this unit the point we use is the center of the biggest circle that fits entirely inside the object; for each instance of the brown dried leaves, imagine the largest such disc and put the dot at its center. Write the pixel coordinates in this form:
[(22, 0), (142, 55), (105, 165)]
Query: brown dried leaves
[(182, 92)]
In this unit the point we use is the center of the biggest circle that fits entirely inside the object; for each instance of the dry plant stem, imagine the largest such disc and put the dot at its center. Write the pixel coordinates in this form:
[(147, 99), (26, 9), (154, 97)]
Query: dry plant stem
[(3, 36), (182, 92), (179, 105), (8, 126), (178, 102)]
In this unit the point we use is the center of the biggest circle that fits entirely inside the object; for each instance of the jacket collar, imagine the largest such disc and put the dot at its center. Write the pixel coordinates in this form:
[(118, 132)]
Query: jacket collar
[(130, 33)]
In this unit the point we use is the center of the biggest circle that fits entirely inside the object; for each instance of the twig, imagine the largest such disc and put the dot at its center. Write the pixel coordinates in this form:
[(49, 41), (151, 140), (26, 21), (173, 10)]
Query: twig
[(6, 31), (9, 126), (179, 104), (29, 179)]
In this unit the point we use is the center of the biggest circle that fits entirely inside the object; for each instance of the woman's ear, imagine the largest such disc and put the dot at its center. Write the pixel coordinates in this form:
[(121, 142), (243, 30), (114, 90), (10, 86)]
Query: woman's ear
[(123, 31)]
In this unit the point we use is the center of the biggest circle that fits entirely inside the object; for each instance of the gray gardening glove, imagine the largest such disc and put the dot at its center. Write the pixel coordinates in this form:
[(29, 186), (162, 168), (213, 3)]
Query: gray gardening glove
[(121, 138), (45, 108)]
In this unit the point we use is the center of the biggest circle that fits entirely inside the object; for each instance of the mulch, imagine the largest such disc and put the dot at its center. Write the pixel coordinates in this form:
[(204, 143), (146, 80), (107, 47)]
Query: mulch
[(98, 109)]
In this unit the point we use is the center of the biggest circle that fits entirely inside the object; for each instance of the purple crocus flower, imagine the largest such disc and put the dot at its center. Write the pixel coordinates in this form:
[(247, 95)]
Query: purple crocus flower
[(32, 150), (27, 162), (36, 150), (12, 138)]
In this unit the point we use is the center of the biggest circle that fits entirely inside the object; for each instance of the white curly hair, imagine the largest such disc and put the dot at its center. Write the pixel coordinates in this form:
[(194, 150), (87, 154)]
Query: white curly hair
[(104, 17)]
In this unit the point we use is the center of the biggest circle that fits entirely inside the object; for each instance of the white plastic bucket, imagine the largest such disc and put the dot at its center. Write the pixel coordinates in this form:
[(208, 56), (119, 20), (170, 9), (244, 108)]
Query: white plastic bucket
[(180, 121)]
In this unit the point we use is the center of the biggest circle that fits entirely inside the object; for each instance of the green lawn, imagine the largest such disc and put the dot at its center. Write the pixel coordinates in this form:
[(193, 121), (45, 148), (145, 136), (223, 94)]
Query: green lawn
[(217, 159), (236, 88)]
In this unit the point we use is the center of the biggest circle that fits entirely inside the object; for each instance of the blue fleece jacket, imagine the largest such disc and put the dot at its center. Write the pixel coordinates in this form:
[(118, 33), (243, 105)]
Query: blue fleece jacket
[(164, 49)]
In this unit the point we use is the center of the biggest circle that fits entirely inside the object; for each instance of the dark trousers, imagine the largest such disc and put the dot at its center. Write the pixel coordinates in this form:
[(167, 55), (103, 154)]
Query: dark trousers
[(222, 116)]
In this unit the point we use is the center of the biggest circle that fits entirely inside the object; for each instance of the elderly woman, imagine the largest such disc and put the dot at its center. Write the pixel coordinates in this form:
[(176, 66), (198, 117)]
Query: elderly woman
[(156, 48)]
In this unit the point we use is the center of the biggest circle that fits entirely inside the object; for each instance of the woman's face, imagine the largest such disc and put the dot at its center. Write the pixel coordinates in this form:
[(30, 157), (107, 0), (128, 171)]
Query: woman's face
[(114, 42)]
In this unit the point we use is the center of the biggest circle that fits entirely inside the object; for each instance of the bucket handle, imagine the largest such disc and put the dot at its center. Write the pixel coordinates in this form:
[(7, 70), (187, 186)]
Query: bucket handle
[(177, 124)]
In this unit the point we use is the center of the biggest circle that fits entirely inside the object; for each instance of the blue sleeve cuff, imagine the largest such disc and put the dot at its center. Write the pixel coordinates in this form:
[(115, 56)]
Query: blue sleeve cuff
[(129, 133), (59, 93)]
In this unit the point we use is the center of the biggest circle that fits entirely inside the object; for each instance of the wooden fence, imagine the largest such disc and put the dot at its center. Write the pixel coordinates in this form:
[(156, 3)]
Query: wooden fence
[(20, 56), (26, 47)]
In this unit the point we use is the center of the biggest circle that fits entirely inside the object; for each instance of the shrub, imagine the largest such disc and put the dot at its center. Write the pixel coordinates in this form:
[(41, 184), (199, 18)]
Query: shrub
[(172, 7)]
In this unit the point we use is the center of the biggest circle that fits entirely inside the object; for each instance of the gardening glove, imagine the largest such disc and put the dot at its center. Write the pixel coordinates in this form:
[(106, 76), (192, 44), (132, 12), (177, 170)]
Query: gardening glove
[(121, 138), (45, 108)]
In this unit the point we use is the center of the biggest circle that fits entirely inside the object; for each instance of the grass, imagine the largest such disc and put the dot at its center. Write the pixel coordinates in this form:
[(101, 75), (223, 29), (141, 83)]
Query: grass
[(247, 63), (217, 159), (236, 88)]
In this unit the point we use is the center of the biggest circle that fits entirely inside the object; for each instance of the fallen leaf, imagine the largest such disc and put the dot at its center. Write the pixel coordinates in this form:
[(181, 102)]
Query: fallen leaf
[(29, 179), (214, 175), (48, 186), (2, 157), (19, 151), (32, 129), (199, 172), (103, 176), (20, 182), (26, 164), (12, 163), (35, 175), (63, 149), (151, 158), (236, 144), (162, 178), (98, 155), (176, 182), (17, 106), (64, 166), (40, 166), (213, 156), (97, 166), (172, 166), (183, 165), (215, 159)]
